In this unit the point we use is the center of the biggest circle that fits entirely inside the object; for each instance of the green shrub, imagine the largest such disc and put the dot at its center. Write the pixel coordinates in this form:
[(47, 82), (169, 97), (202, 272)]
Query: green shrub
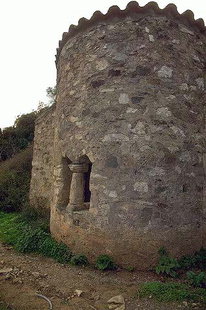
[(200, 259), (79, 259), (15, 176), (197, 260), (167, 265), (197, 279), (105, 262), (167, 292), (130, 269), (187, 262)]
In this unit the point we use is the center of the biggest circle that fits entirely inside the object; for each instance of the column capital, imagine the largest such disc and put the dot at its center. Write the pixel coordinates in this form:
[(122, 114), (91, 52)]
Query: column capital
[(78, 167)]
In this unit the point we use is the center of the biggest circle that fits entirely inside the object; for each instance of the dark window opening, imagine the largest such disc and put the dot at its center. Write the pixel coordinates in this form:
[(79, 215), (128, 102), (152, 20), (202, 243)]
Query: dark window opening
[(87, 193)]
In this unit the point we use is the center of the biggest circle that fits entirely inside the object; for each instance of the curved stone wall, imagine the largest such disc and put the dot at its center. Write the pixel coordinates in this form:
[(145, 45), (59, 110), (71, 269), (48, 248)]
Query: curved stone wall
[(130, 96)]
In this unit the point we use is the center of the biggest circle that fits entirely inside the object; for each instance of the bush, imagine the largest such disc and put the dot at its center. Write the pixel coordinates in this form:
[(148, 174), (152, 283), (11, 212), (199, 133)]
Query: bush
[(187, 262), (198, 260), (167, 292), (197, 279), (79, 259), (166, 265), (105, 262), (14, 181)]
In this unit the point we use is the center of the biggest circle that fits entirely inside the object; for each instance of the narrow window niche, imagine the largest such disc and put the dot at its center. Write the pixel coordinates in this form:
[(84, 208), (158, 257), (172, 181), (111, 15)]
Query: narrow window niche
[(80, 193)]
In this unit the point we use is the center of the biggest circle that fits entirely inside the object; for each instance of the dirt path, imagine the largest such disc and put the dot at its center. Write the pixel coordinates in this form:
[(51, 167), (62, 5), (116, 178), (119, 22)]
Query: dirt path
[(33, 274)]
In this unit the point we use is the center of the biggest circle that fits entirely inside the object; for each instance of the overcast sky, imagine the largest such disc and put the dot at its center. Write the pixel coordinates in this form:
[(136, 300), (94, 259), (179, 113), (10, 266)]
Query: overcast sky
[(29, 34)]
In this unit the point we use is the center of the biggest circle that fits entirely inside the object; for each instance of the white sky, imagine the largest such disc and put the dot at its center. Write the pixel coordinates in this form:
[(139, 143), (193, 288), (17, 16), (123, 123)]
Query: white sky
[(29, 34)]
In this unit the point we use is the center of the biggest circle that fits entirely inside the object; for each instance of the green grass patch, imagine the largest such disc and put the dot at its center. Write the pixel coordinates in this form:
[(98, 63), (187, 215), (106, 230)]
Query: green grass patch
[(31, 237), (167, 292)]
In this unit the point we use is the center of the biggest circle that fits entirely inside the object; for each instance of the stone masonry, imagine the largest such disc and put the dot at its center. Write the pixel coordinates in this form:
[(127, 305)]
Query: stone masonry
[(119, 159)]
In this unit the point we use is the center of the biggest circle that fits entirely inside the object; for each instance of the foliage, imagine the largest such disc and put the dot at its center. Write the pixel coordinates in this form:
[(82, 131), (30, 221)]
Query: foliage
[(197, 279), (26, 238), (187, 262), (51, 248), (197, 260), (105, 262), (37, 216), (79, 259), (30, 239), (10, 227), (17, 137), (15, 175), (130, 269), (51, 94), (166, 265), (167, 292)]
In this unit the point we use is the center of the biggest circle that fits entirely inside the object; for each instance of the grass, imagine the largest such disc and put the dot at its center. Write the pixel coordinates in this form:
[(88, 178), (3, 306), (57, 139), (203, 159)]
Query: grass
[(28, 233), (31, 237), (171, 291)]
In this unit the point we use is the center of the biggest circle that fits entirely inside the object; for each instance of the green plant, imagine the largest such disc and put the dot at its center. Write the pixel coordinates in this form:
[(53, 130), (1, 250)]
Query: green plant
[(79, 259), (197, 279), (15, 176), (130, 268), (200, 259), (105, 262), (197, 260), (26, 238), (167, 292), (30, 239), (166, 265), (187, 262), (51, 248)]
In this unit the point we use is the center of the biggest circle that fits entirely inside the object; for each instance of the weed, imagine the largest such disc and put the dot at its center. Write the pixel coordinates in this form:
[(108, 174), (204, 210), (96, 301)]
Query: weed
[(200, 259), (130, 268), (197, 279), (51, 248), (187, 262), (105, 262), (30, 239), (167, 292), (79, 259), (166, 265)]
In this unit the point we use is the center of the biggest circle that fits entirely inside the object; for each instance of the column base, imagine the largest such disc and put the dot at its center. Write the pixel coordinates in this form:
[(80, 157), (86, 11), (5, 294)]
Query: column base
[(78, 207)]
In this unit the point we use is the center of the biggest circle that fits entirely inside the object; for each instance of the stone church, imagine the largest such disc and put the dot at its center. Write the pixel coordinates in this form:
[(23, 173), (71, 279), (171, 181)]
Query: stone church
[(119, 159)]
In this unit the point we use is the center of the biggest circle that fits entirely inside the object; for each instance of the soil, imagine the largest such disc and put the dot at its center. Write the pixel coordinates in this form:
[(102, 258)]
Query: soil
[(31, 274)]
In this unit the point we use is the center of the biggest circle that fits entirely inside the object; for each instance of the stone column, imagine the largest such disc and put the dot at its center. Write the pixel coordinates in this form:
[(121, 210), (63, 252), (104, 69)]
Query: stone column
[(76, 199)]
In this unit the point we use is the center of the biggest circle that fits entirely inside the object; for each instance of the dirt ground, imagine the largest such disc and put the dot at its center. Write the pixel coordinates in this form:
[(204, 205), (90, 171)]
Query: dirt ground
[(28, 275)]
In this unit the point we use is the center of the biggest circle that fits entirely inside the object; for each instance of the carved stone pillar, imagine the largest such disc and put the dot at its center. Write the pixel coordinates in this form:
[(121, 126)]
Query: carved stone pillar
[(76, 199)]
